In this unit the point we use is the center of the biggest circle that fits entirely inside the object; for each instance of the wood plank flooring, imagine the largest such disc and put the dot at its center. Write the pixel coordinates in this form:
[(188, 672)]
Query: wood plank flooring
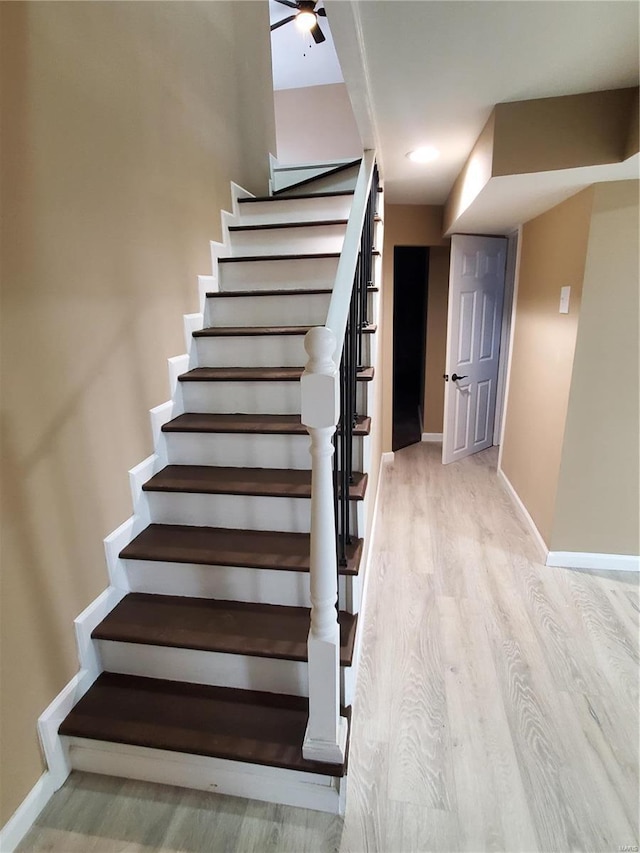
[(497, 707)]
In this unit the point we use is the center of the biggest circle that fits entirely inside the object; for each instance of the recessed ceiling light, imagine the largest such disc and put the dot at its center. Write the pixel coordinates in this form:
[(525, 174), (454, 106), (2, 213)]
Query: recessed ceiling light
[(425, 154)]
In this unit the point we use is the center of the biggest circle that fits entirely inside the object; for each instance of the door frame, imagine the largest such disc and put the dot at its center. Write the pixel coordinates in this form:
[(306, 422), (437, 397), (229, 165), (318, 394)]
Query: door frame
[(506, 337), (509, 353)]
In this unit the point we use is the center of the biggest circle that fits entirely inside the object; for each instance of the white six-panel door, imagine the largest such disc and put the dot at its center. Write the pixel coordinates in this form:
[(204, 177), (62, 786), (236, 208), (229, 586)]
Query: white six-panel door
[(476, 291)]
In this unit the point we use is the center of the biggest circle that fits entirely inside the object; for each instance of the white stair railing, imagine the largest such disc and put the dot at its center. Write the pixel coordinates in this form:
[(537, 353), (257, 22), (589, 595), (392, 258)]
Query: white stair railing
[(322, 399)]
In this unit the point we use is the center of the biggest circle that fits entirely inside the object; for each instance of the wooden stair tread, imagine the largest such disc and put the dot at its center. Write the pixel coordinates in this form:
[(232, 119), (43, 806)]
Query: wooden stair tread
[(301, 257), (257, 331), (267, 482), (230, 627), (255, 374), (222, 546), (267, 198), (193, 422), (220, 722), (327, 174), (217, 294), (273, 226)]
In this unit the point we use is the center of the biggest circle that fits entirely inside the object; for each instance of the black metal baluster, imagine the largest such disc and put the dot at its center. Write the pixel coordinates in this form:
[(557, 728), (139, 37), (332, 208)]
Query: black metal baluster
[(352, 361)]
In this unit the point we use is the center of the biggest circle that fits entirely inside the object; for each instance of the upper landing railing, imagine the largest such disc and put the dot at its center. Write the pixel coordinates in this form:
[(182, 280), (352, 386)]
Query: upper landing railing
[(329, 411)]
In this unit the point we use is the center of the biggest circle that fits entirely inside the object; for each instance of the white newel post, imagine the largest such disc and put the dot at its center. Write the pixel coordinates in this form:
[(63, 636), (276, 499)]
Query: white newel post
[(326, 735)]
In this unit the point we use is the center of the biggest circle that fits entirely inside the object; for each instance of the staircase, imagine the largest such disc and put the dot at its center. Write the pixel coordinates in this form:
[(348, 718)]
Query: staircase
[(195, 661)]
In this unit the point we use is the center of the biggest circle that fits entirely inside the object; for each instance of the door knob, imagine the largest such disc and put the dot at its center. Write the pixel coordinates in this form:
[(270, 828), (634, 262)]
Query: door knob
[(455, 377)]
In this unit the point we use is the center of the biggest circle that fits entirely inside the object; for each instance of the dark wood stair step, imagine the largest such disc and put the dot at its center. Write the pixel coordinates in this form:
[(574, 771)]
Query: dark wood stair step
[(223, 294), (257, 331), (267, 198), (255, 374), (222, 546), (230, 627), (273, 226), (193, 422), (238, 259), (220, 722), (266, 482)]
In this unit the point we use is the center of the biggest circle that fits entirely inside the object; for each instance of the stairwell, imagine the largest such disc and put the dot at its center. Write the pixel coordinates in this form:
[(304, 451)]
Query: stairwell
[(194, 662)]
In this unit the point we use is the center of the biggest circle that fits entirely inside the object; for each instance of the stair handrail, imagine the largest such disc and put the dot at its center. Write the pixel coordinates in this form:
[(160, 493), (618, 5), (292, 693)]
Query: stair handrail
[(328, 391), (338, 313)]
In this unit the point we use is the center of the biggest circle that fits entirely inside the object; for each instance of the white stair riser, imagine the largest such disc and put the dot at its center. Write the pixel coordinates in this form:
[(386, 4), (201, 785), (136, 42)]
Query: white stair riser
[(234, 778), (246, 451), (278, 275), (251, 398), (286, 176), (342, 181), (252, 350), (299, 210), (215, 668), (247, 512), (229, 583), (288, 241), (295, 310), (218, 669)]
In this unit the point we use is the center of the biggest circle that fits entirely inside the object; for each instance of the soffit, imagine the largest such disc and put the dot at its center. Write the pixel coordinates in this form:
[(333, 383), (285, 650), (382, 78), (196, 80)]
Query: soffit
[(430, 72)]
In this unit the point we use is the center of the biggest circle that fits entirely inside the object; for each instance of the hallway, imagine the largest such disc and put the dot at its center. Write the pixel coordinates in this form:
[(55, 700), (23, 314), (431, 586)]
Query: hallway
[(496, 706)]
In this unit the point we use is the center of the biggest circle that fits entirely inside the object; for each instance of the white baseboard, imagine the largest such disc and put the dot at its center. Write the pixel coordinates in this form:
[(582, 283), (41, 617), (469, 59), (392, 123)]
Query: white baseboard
[(27, 813), (50, 720), (432, 436), (365, 585), (601, 562), (524, 512), (388, 456)]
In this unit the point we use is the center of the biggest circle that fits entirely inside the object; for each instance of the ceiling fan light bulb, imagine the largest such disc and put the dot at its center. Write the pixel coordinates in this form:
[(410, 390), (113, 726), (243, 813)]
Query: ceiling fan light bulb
[(305, 21)]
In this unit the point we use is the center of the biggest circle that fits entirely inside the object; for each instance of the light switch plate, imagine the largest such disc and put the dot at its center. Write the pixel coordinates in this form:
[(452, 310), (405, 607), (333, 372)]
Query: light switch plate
[(564, 299)]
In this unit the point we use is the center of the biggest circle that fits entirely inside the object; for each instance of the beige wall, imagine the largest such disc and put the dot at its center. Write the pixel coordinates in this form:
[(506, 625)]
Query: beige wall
[(562, 133), (436, 338), (123, 124), (475, 175), (553, 252), (597, 501), (315, 123), (404, 225)]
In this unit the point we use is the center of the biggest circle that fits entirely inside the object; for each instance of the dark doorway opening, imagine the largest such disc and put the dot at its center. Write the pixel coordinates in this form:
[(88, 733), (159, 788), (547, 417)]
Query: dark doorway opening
[(410, 283)]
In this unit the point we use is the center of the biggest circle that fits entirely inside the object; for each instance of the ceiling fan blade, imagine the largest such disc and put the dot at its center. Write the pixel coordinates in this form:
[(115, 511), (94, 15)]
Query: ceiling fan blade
[(322, 12), (317, 34), (288, 3), (282, 22)]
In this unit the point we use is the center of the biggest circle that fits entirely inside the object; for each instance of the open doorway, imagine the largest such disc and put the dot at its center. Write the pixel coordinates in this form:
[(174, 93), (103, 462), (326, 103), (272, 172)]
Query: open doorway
[(410, 284)]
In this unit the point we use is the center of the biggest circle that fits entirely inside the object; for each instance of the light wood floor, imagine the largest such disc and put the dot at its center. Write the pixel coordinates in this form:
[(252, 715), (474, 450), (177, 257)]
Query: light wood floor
[(497, 707)]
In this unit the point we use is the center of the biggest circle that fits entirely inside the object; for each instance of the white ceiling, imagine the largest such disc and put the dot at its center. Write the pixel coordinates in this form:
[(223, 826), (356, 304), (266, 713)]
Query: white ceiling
[(296, 59), (430, 72)]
